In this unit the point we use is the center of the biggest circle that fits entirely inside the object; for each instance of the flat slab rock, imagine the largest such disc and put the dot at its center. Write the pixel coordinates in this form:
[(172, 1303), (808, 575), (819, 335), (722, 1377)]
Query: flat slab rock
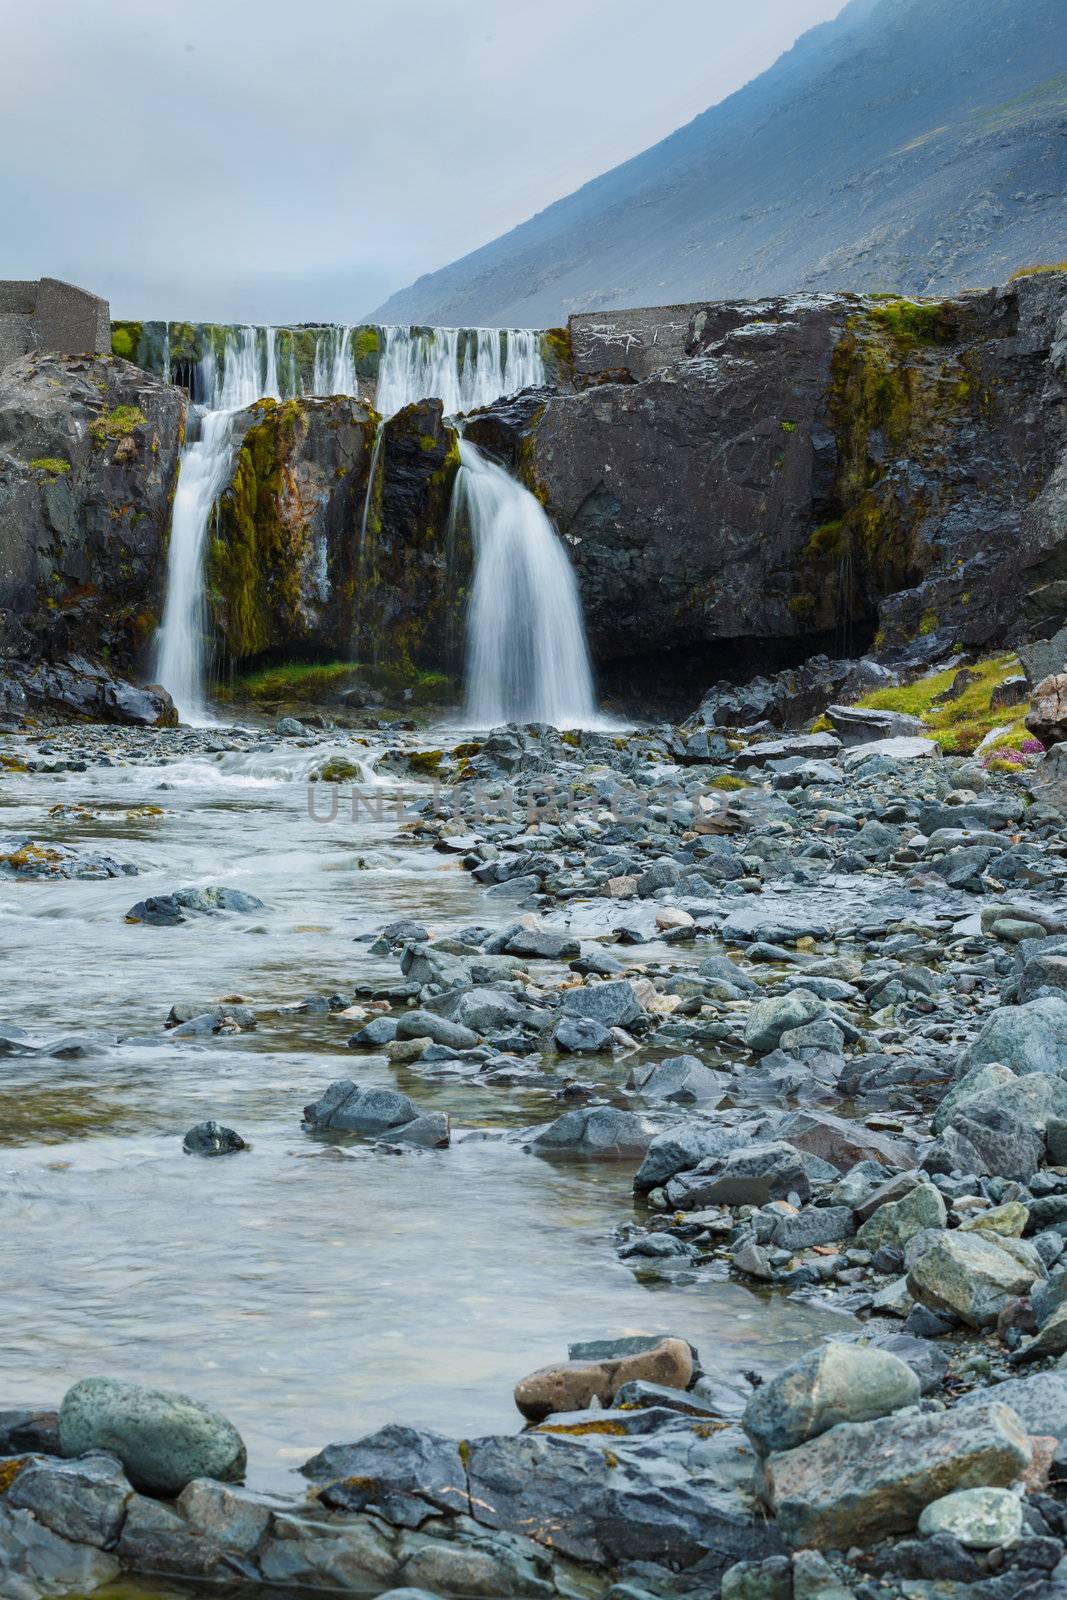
[(600, 1497)]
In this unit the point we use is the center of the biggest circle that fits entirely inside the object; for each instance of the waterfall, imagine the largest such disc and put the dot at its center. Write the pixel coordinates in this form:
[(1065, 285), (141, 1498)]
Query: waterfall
[(462, 367), (203, 473), (527, 657)]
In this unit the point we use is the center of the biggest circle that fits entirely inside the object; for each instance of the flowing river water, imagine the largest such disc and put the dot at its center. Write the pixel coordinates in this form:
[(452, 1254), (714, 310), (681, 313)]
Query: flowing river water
[(313, 1290)]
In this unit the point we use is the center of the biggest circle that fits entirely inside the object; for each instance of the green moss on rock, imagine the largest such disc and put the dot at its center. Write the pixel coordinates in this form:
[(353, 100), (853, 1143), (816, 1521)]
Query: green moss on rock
[(126, 340)]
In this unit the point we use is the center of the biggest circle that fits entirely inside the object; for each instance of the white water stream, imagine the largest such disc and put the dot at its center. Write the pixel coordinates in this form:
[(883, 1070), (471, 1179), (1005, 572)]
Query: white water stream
[(527, 656)]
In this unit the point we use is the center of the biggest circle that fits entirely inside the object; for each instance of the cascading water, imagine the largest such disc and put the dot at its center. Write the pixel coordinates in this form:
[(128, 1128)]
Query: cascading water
[(202, 475), (527, 656), (462, 367), (335, 363)]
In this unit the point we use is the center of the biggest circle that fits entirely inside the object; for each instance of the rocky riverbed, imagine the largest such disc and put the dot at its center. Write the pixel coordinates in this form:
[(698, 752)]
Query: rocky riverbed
[(623, 1163)]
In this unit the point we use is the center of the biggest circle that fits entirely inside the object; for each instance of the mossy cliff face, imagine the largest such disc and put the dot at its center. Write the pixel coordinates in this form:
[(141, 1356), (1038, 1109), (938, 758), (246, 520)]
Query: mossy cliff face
[(89, 451), (820, 471), (415, 566), (283, 544), (292, 574)]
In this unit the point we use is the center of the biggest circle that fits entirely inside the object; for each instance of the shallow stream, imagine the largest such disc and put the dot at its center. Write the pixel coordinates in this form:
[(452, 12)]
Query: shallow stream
[(313, 1291)]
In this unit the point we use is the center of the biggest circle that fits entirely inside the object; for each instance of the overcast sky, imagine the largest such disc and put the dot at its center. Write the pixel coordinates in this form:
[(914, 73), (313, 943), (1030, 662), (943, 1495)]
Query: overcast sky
[(298, 160)]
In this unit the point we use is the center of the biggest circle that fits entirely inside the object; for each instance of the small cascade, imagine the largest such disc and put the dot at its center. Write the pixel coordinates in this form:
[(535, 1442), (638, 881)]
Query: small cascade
[(462, 367), (335, 363), (527, 656)]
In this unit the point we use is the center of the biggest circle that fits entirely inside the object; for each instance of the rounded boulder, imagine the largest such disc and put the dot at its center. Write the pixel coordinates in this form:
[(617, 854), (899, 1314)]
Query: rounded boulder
[(163, 1439)]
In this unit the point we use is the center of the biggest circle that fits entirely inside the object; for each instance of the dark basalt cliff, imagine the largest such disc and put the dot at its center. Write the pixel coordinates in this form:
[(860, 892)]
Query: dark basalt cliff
[(827, 471), (89, 450)]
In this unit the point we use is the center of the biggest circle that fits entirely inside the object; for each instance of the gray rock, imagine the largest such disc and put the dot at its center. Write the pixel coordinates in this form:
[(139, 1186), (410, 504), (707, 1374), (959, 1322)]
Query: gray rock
[(231, 1519), (658, 1498), (599, 1131), (34, 1561), (212, 1139), (613, 1004), (723, 970), (1009, 1146), (489, 1011), (429, 1131), (680, 1149), (29, 1429), (543, 944), (346, 1108), (1039, 1400), (769, 1019), (974, 1085), (375, 1033), (1028, 1038), (771, 1579), (752, 1176), (862, 1481), (163, 1440), (981, 1519), (428, 1025), (838, 1383), (838, 1141), (582, 1036), (682, 1080), (971, 1277), (815, 1579), (84, 1501), (814, 1225)]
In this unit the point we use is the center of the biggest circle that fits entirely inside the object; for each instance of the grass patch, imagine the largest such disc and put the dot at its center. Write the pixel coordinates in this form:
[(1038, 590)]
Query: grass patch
[(1034, 272), (299, 681), (54, 466), (313, 682), (727, 781), (960, 724)]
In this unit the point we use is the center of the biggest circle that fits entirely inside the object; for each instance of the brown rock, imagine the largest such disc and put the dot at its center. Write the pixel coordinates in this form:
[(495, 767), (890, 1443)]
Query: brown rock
[(574, 1385), (1047, 717)]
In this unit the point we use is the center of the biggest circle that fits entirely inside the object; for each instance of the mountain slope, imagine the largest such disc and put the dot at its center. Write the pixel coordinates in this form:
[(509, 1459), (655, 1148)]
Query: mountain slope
[(916, 145)]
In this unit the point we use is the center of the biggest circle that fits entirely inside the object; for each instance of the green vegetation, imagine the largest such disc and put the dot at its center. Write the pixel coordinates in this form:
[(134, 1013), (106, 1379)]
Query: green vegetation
[(126, 339), (117, 424), (311, 682), (365, 344), (556, 347), (727, 781), (894, 392), (54, 466), (301, 681), (912, 323), (954, 704), (425, 761)]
